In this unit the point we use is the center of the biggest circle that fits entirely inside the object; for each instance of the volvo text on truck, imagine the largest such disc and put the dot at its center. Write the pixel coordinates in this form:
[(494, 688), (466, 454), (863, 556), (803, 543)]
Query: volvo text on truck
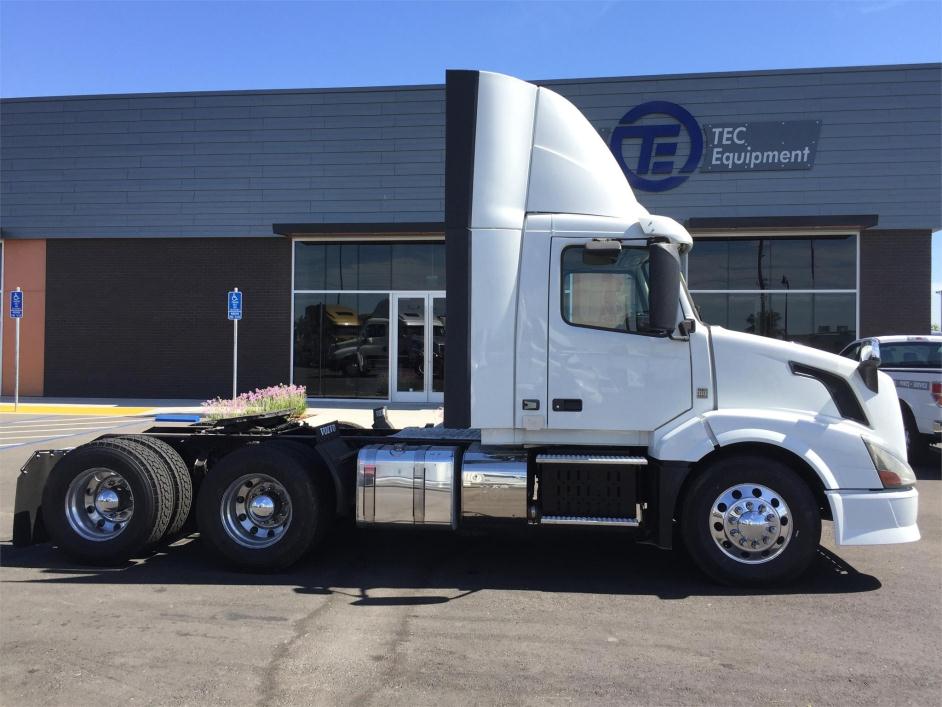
[(581, 390)]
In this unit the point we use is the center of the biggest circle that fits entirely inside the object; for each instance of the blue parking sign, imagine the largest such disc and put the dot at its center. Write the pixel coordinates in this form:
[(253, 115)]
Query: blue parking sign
[(16, 304), (234, 304)]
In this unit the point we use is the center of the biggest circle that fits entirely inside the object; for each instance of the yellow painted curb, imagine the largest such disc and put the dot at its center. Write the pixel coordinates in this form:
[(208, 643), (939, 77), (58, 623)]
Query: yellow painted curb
[(103, 410)]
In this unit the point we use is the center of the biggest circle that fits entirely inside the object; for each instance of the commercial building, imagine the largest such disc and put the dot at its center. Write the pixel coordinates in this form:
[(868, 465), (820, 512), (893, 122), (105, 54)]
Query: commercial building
[(811, 195)]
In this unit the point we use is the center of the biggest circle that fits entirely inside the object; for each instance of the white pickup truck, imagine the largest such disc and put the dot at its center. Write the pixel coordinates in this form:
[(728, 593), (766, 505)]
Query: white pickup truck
[(915, 365)]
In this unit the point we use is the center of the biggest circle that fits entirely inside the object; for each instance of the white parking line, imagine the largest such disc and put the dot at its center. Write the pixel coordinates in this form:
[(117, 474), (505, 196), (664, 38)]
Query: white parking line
[(58, 420), (27, 434), (78, 426), (39, 431), (45, 435)]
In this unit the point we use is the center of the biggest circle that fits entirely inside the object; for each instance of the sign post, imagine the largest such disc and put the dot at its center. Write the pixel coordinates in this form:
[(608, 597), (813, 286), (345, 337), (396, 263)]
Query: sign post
[(234, 310), (16, 313)]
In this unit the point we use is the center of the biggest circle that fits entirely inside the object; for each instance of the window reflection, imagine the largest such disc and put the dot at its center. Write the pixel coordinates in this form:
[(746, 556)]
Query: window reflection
[(792, 264), (342, 334), (777, 267), (825, 321), (819, 263), (341, 345), (438, 344), (748, 264), (369, 266)]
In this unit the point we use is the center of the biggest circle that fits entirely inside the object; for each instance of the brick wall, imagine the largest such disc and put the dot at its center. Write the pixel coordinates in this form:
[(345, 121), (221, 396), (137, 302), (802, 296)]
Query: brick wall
[(146, 317), (895, 282)]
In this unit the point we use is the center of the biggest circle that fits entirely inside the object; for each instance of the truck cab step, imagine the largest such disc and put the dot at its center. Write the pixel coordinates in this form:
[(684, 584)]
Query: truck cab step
[(589, 520), (619, 459)]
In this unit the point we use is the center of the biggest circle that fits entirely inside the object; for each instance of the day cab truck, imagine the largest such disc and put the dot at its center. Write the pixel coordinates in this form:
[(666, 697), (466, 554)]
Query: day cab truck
[(581, 390)]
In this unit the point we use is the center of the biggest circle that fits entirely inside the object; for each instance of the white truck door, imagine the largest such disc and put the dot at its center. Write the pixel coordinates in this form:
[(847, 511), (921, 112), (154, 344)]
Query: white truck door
[(604, 372)]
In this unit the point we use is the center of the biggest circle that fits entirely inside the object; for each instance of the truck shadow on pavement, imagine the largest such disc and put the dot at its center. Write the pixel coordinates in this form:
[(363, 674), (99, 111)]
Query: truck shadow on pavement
[(371, 567)]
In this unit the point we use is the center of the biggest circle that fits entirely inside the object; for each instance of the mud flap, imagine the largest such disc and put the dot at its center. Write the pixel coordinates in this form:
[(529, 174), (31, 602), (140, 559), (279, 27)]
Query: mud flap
[(28, 528)]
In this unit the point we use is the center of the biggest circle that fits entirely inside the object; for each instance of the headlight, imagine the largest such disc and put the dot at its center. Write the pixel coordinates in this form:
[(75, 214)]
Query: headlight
[(893, 471)]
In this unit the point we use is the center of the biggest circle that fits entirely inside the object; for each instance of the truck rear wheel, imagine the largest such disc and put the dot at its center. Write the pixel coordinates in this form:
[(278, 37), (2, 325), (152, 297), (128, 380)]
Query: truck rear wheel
[(261, 509), (108, 500), (179, 476), (751, 520)]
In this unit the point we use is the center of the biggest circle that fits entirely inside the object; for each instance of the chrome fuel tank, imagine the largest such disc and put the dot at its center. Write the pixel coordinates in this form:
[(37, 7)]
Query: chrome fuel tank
[(407, 485), (493, 484)]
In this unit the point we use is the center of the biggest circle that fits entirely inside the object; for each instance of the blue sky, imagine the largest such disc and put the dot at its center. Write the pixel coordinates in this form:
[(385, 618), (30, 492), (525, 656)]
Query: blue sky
[(51, 48), (55, 48)]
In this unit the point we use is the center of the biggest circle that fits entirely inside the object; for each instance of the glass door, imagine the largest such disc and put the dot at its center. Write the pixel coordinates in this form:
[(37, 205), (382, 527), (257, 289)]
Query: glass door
[(436, 373), (417, 337)]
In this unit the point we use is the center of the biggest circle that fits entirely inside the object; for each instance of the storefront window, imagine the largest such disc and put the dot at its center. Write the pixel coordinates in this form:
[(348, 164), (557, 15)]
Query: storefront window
[(797, 289), (342, 296), (341, 345), (369, 266)]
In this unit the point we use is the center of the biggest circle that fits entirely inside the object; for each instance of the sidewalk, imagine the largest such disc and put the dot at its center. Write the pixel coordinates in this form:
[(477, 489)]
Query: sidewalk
[(359, 412)]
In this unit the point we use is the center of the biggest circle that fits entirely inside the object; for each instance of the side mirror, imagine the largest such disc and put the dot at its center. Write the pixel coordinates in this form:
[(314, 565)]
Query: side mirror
[(870, 364), (664, 287)]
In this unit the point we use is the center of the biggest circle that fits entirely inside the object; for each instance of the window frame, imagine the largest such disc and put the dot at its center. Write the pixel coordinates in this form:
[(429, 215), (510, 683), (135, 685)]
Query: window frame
[(562, 293), (339, 238), (784, 233)]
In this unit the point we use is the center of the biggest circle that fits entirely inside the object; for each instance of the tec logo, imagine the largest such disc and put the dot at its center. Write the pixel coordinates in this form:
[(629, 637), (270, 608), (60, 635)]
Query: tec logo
[(656, 169)]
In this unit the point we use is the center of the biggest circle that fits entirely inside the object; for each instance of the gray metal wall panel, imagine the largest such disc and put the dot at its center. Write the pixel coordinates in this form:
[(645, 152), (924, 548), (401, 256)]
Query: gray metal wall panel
[(224, 164)]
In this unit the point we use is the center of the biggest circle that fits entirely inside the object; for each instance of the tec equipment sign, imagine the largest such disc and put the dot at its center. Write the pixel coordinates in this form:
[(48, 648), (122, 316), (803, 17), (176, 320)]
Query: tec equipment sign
[(659, 145), (655, 130), (751, 147), (234, 300), (16, 304)]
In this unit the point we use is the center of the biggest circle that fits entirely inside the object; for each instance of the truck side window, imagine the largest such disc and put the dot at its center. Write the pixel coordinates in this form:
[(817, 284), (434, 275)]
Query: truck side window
[(611, 296)]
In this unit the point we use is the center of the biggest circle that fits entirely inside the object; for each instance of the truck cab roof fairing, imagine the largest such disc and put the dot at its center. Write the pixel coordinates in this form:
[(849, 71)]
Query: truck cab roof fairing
[(534, 152), (512, 148)]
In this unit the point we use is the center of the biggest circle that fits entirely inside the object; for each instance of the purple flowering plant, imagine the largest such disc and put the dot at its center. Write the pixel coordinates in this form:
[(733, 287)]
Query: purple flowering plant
[(275, 398)]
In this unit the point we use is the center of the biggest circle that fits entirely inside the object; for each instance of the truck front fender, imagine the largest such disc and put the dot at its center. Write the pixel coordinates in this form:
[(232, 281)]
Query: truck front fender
[(832, 447)]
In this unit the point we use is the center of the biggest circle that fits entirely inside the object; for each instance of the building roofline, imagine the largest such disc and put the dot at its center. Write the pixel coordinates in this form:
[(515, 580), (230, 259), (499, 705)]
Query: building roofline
[(726, 223), (427, 87), (359, 229)]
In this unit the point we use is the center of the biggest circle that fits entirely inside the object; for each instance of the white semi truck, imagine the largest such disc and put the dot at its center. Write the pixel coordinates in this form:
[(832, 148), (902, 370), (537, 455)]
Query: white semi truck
[(581, 389)]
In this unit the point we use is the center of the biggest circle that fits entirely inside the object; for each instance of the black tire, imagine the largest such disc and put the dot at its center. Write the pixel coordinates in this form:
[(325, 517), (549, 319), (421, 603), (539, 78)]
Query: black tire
[(799, 548), (917, 444), (310, 516), (179, 475), (149, 482)]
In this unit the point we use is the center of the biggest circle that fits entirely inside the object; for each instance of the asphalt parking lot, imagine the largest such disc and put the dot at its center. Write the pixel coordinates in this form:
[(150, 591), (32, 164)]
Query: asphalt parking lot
[(30, 430), (426, 618)]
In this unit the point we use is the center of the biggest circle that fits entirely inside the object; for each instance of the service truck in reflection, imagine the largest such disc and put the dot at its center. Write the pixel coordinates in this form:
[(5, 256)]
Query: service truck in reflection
[(581, 389)]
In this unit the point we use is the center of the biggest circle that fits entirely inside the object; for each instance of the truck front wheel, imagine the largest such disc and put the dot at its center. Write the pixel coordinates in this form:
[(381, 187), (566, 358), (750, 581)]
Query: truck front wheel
[(261, 509), (750, 520)]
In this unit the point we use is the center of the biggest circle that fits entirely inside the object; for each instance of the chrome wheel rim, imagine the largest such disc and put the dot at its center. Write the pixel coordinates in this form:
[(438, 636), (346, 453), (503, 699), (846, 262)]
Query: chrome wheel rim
[(255, 511), (750, 523), (99, 504)]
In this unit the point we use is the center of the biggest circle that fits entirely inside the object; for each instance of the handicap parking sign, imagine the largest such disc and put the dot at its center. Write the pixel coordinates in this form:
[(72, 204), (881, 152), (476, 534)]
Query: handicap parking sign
[(234, 302), (16, 304)]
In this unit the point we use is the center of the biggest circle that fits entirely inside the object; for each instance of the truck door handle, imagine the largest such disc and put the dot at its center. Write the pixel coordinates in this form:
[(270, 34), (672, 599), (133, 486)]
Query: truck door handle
[(567, 404)]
